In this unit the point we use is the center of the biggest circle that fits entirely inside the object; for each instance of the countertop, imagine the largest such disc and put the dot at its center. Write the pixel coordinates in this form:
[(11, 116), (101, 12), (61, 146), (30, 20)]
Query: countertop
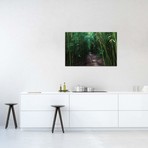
[(95, 92)]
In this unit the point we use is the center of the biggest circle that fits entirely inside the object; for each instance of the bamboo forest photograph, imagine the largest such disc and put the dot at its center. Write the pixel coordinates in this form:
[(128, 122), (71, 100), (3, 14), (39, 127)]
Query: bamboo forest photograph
[(91, 49)]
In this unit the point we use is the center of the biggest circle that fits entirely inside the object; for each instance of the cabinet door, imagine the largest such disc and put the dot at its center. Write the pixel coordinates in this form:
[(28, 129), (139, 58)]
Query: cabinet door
[(93, 119), (93, 102), (133, 102), (133, 119), (36, 119), (44, 102)]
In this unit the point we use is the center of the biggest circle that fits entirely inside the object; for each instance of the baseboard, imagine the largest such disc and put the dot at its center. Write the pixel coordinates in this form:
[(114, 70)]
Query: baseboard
[(87, 129)]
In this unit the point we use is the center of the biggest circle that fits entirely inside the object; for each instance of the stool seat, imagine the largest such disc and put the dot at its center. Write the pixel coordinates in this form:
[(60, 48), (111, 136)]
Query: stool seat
[(10, 103), (11, 107), (57, 105), (57, 109)]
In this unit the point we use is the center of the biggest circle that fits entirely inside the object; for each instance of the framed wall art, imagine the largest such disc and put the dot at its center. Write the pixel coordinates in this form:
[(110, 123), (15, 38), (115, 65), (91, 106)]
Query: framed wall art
[(91, 49)]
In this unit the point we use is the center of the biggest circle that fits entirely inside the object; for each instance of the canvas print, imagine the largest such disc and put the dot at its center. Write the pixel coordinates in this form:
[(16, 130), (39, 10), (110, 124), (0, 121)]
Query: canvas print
[(91, 48)]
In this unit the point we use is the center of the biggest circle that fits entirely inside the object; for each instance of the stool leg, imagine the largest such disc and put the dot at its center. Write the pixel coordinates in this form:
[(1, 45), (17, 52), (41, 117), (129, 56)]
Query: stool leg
[(13, 112), (61, 120), (7, 121), (54, 120)]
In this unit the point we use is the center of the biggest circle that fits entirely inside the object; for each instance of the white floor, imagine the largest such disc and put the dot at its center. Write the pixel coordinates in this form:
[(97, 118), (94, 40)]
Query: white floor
[(12, 138)]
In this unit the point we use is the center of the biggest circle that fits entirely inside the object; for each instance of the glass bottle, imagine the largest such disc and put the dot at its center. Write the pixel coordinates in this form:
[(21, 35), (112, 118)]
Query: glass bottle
[(64, 87), (60, 88)]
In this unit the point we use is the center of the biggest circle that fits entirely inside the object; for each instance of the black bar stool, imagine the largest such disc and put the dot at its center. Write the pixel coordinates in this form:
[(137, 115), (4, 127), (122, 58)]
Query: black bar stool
[(57, 109), (11, 107)]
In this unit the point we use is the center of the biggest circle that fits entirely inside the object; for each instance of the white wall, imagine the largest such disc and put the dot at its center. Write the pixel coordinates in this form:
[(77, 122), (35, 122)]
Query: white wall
[(32, 45)]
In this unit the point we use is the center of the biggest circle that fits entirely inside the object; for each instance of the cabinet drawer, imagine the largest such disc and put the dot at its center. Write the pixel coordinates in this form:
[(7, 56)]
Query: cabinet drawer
[(133, 119), (93, 119), (93, 102), (44, 102), (133, 102), (42, 119)]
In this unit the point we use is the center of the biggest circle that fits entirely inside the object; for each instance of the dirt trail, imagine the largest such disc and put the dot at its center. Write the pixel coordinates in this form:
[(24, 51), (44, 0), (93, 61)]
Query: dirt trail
[(93, 60)]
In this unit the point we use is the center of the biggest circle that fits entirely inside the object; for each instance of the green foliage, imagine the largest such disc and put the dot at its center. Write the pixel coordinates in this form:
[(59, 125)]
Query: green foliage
[(80, 44)]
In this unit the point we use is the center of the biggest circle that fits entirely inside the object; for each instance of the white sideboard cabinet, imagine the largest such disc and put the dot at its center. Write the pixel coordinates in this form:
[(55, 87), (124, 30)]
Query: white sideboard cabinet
[(85, 110), (133, 110), (36, 110), (93, 110)]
